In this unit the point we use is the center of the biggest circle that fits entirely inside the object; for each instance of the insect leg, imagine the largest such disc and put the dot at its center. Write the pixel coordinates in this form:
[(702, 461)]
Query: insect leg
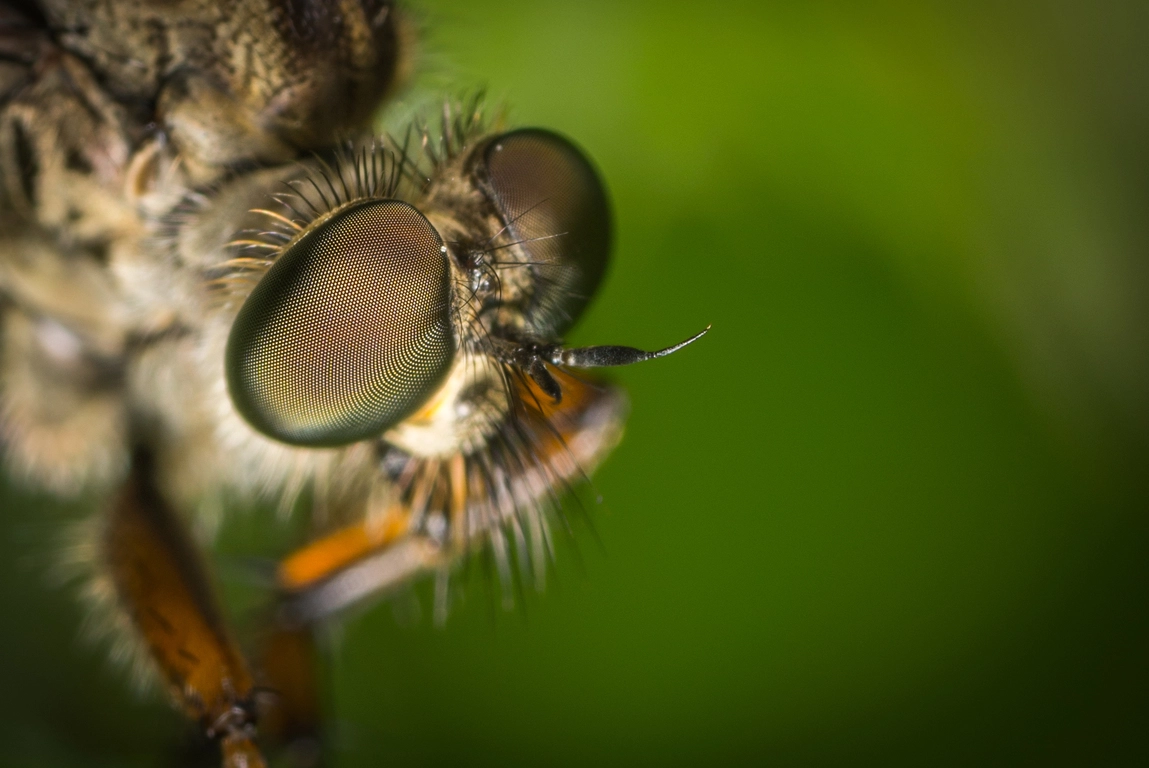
[(291, 715), (160, 581), (350, 564)]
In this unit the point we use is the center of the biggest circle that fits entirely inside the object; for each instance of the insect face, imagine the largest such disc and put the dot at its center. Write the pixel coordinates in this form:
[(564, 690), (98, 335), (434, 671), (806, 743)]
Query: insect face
[(382, 309), (414, 303)]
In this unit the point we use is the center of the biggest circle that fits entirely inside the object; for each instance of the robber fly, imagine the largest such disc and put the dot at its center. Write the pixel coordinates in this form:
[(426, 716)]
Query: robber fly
[(214, 280)]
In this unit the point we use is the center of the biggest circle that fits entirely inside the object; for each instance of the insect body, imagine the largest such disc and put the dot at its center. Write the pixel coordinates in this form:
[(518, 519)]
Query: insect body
[(209, 290)]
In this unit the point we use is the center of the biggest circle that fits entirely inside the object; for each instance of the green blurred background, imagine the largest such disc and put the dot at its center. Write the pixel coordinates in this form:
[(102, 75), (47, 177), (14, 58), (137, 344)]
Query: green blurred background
[(891, 511)]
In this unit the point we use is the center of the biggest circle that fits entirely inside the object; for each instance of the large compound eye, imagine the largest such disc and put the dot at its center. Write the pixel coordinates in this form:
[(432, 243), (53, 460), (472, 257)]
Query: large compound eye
[(552, 201), (348, 332)]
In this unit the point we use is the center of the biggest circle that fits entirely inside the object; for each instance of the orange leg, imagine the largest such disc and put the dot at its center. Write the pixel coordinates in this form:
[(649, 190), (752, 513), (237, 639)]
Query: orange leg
[(160, 581), (351, 564), (327, 555), (291, 715)]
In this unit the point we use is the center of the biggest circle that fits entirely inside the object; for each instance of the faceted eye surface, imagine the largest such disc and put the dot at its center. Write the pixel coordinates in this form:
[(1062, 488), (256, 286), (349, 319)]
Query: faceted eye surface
[(349, 330), (552, 201)]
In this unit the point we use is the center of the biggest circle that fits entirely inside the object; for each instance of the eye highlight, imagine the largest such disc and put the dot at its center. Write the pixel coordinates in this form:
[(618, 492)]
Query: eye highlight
[(349, 330), (553, 203)]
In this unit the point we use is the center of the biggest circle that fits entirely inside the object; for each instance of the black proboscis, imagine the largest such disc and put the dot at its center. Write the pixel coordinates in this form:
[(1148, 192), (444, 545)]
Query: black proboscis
[(611, 355)]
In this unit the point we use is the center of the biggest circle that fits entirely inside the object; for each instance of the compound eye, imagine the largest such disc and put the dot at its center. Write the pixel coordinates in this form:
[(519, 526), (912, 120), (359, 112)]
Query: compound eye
[(552, 201), (349, 330)]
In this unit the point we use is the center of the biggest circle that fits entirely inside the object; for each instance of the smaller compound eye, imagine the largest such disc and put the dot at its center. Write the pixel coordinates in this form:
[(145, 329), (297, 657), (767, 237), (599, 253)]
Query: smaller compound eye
[(552, 201), (348, 332)]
